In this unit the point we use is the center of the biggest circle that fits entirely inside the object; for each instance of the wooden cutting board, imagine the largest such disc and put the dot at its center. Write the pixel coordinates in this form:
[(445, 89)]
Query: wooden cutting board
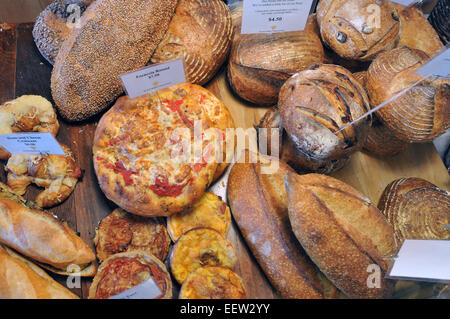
[(24, 71)]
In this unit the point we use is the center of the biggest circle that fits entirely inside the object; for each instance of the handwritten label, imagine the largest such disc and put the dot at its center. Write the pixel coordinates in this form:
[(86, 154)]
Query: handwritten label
[(424, 260), (147, 290), (153, 78), (269, 16), (31, 143), (438, 66)]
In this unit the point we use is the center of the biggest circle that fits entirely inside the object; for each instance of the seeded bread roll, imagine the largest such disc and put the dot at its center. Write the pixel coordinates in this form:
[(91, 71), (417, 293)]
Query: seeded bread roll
[(114, 37)]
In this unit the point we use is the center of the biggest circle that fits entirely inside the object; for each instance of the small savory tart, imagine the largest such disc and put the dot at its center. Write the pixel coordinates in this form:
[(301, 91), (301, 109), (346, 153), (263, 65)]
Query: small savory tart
[(212, 282), (28, 113), (124, 271), (143, 154), (210, 211), (58, 174), (200, 247), (121, 231)]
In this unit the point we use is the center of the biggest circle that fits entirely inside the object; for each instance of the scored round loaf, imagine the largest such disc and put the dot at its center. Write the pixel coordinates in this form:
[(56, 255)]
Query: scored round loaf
[(358, 29), (200, 34), (114, 37), (420, 114), (439, 17), (315, 104), (260, 63), (417, 209)]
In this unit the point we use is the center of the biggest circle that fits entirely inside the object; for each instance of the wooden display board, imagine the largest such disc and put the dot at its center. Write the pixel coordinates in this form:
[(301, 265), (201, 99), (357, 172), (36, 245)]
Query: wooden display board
[(24, 71)]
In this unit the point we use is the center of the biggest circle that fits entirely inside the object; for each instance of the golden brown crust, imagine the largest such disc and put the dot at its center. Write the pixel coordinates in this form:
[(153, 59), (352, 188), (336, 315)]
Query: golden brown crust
[(199, 33), (21, 279), (417, 209), (212, 282), (342, 232), (85, 77), (123, 271), (382, 142), (420, 114), (351, 30), (197, 248), (121, 232)]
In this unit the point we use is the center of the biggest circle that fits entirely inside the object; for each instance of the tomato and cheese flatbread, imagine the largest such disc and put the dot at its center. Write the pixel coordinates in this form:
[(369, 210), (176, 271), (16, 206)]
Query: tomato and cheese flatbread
[(152, 155), (212, 282), (198, 248), (124, 271), (210, 211), (121, 231)]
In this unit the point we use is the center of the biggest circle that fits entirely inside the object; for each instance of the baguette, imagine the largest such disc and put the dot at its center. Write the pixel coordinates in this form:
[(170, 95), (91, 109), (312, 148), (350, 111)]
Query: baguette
[(21, 279)]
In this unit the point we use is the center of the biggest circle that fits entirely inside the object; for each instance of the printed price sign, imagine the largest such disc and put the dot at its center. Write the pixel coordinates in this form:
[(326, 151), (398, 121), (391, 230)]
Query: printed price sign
[(424, 260), (153, 78), (438, 66), (31, 143), (147, 290), (269, 16)]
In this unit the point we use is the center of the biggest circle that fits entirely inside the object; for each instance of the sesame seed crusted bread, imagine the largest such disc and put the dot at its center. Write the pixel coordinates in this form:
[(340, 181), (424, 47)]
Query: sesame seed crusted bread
[(114, 37)]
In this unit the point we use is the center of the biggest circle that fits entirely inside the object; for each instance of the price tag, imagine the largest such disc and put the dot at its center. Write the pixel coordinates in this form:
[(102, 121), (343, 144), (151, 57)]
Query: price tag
[(423, 260), (269, 16), (438, 66), (146, 290), (153, 78), (31, 143)]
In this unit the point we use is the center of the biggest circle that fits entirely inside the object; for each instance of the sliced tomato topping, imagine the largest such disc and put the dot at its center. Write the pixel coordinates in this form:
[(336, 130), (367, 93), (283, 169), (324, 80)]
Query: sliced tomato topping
[(118, 168), (162, 187), (175, 106)]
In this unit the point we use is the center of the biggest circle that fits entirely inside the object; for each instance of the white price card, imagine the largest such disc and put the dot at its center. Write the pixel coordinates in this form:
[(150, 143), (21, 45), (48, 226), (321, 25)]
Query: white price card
[(153, 78), (269, 16), (146, 290), (424, 260), (31, 143), (437, 66)]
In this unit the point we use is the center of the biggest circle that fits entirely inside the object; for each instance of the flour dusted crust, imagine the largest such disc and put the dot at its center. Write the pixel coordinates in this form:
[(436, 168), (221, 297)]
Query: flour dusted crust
[(200, 247), (121, 231), (138, 149), (210, 211), (213, 283)]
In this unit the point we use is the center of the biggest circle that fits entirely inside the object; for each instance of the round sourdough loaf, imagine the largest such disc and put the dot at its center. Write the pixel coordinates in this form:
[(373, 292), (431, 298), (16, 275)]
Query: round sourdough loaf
[(420, 114), (200, 34), (358, 29)]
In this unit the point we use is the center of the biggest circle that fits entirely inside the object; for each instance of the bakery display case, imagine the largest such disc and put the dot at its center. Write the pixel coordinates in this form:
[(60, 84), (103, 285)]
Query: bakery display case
[(287, 165)]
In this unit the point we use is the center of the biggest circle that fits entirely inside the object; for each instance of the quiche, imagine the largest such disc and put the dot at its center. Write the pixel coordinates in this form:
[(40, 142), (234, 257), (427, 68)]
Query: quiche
[(210, 211), (212, 282), (28, 113), (197, 248), (58, 174), (121, 231), (155, 155)]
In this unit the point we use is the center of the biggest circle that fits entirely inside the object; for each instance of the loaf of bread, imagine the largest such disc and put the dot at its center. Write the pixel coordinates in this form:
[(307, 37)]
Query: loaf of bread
[(420, 114), (21, 279), (315, 104), (260, 63), (200, 34), (417, 209), (358, 29), (259, 206), (345, 235), (114, 37), (439, 17)]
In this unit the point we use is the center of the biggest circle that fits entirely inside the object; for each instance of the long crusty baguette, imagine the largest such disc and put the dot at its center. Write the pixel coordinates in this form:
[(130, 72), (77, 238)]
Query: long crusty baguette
[(41, 236), (258, 204), (114, 37), (345, 235), (21, 279)]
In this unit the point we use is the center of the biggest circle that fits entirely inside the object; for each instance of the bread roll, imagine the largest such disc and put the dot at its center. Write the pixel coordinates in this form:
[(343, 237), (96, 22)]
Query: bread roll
[(314, 104), (342, 231), (21, 279), (200, 34), (259, 205), (260, 63), (439, 17), (420, 114), (358, 29), (114, 37), (417, 209)]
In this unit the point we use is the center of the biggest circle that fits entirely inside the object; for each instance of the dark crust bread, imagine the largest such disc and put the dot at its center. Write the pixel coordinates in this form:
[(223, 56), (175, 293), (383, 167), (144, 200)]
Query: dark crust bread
[(439, 17), (342, 232), (115, 37)]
